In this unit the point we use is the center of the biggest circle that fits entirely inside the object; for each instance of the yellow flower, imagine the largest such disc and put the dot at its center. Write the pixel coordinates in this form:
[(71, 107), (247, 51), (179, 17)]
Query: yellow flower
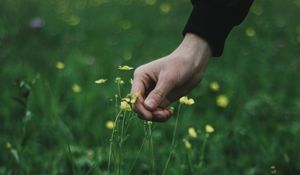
[(60, 65), (222, 101), (131, 81), (298, 38), (150, 2), (149, 122), (214, 86), (110, 124), (127, 56), (90, 153), (101, 81), (125, 106), (134, 97), (125, 24), (209, 129), (165, 7), (250, 32), (273, 169), (125, 68), (257, 10), (126, 99), (76, 88), (192, 132), (187, 144), (171, 109), (118, 80), (8, 145), (186, 101), (73, 20)]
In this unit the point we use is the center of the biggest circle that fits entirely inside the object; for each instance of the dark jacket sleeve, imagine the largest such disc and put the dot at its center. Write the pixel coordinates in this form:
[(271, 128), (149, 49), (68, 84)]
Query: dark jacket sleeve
[(212, 20)]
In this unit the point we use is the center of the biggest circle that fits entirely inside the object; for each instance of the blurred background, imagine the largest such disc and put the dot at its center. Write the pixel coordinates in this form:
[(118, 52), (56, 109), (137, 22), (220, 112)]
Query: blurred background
[(53, 117)]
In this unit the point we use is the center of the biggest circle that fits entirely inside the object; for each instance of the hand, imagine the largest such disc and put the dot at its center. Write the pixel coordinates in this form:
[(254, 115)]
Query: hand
[(165, 80)]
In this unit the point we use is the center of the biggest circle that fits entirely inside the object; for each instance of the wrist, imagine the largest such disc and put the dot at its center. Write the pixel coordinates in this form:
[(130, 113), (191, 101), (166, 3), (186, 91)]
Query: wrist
[(193, 49), (193, 43)]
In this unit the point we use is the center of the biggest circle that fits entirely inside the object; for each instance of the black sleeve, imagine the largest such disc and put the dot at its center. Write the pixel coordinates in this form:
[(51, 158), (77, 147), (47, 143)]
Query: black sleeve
[(212, 20)]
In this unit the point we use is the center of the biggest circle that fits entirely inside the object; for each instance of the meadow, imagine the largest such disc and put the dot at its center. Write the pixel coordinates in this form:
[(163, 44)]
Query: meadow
[(65, 109)]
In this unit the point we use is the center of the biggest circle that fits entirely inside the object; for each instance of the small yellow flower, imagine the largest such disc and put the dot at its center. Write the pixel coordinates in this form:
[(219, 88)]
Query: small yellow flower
[(8, 145), (209, 129), (73, 20), (110, 124), (172, 109), (125, 106), (101, 81), (125, 68), (187, 143), (298, 29), (131, 81), (165, 7), (222, 101), (257, 10), (192, 132), (125, 24), (149, 122), (60, 65), (298, 38), (250, 32), (90, 153), (273, 169), (134, 97), (186, 101), (76, 88), (214, 86), (127, 56), (118, 80), (126, 99), (150, 2)]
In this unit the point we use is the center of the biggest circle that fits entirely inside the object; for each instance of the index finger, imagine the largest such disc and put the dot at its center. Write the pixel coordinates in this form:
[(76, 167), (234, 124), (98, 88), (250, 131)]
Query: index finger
[(138, 86)]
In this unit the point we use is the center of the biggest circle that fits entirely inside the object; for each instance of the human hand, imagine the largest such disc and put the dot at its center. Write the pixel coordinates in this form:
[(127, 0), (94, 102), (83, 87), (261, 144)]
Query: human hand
[(165, 80)]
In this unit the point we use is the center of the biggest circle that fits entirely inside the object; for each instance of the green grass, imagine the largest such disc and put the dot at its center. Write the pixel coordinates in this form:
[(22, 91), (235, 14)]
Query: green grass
[(53, 130)]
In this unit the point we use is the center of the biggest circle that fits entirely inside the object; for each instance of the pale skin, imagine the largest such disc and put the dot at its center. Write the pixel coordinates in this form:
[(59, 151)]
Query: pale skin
[(166, 79)]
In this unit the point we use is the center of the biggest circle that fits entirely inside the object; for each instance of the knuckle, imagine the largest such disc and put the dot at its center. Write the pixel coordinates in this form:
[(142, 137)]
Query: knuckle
[(158, 93), (138, 71)]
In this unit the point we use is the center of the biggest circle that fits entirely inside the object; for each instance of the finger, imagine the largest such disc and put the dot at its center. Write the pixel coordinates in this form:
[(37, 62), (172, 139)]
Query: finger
[(165, 103), (161, 115), (139, 108), (157, 95), (138, 86), (182, 90)]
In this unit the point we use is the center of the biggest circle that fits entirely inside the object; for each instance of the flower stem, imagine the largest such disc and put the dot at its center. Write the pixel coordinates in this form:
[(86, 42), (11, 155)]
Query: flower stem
[(173, 141), (111, 140), (151, 147), (203, 150), (139, 152)]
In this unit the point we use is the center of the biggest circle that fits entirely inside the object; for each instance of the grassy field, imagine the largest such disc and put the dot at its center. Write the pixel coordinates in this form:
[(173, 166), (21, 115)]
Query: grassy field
[(54, 118)]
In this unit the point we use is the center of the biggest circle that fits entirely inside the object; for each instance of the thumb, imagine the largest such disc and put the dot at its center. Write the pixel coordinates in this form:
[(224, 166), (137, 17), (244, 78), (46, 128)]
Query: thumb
[(158, 94)]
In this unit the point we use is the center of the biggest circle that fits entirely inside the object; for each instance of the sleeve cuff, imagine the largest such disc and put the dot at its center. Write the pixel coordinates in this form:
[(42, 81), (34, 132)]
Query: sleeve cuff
[(212, 23)]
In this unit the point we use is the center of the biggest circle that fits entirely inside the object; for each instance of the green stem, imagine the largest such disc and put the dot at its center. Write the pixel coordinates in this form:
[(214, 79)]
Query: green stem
[(119, 90), (139, 153), (111, 141), (173, 141), (121, 143), (151, 148), (189, 162), (203, 150)]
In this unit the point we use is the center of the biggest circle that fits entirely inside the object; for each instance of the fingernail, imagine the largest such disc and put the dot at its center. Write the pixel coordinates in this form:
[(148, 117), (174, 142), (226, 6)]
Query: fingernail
[(149, 103)]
